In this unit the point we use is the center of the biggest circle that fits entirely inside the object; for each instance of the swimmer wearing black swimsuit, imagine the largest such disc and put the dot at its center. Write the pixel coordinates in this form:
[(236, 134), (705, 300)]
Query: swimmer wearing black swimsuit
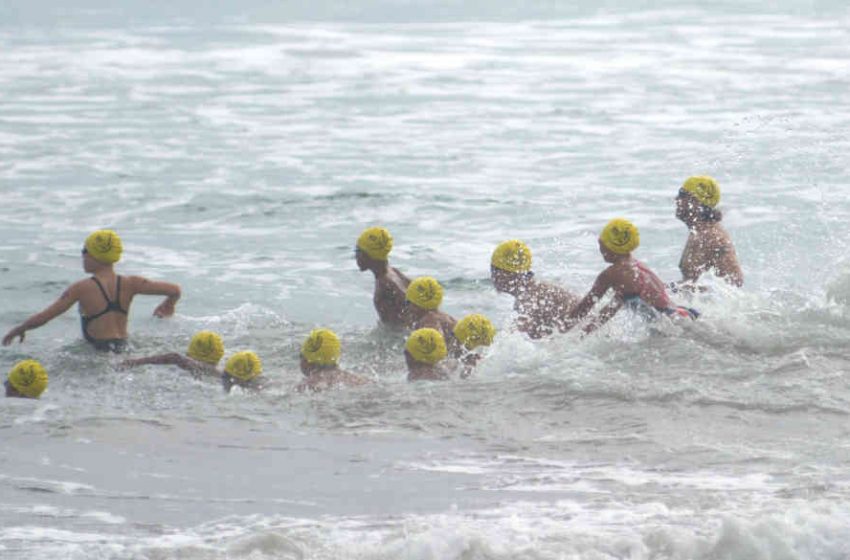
[(116, 345)]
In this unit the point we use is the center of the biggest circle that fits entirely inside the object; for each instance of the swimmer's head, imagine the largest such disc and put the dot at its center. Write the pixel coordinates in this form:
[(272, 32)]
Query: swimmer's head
[(104, 246), (510, 266), (475, 330), (374, 243), (512, 256), (698, 199), (207, 347), (27, 379), (425, 293), (704, 188), (244, 366), (321, 348), (619, 236), (426, 346)]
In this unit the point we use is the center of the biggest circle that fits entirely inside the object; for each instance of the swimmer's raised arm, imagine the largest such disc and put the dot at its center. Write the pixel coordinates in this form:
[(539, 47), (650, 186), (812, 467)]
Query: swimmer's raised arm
[(141, 285), (68, 298)]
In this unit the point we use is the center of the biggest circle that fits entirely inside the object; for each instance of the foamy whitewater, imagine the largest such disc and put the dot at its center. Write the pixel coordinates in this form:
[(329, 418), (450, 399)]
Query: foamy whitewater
[(239, 150)]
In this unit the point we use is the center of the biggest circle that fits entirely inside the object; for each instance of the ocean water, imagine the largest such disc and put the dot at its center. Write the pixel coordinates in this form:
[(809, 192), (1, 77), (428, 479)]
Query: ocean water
[(239, 150)]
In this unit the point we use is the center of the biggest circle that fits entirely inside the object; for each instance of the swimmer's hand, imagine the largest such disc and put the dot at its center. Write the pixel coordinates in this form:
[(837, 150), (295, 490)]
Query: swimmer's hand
[(18, 331), (165, 309)]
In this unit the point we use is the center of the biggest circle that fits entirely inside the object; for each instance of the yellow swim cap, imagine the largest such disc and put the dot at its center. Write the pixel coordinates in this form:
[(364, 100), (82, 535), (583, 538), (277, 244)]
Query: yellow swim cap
[(29, 378), (425, 292), (244, 366), (426, 346), (512, 256), (620, 236), (322, 348), (376, 242), (475, 330), (704, 188), (104, 246), (207, 347)]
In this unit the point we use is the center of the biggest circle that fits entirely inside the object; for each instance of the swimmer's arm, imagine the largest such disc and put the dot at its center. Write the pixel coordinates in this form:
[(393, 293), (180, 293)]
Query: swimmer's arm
[(144, 286), (605, 315), (159, 360), (68, 298), (172, 359), (597, 292)]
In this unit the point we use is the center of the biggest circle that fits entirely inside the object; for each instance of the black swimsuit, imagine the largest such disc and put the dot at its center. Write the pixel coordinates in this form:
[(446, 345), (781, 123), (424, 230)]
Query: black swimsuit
[(110, 344)]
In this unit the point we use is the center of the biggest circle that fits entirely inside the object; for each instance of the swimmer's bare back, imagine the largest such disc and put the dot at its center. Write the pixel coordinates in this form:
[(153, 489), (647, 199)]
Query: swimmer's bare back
[(543, 308), (389, 298), (709, 248)]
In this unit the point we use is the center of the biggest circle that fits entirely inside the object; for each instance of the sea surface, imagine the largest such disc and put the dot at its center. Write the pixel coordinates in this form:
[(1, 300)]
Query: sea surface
[(240, 148)]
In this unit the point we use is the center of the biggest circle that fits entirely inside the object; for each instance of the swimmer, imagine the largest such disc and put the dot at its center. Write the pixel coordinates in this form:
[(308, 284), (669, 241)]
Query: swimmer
[(424, 296), (202, 357), (542, 307), (424, 350), (104, 298), (633, 283), (320, 363), (471, 333), (709, 247), (243, 369), (373, 249), (27, 380)]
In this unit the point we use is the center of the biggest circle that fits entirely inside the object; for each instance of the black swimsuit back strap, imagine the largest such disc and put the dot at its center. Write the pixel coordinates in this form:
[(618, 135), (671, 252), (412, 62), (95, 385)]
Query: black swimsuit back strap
[(111, 305), (102, 289)]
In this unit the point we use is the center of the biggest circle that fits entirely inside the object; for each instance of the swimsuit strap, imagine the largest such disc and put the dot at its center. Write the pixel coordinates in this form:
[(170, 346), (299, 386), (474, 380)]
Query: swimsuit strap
[(111, 305), (102, 290)]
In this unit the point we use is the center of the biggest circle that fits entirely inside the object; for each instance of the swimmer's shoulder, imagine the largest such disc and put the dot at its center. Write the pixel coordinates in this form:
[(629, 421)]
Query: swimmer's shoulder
[(400, 274)]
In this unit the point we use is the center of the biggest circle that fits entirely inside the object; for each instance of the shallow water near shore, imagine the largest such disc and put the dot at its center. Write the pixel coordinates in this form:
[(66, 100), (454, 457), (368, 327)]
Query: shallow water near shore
[(240, 151)]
